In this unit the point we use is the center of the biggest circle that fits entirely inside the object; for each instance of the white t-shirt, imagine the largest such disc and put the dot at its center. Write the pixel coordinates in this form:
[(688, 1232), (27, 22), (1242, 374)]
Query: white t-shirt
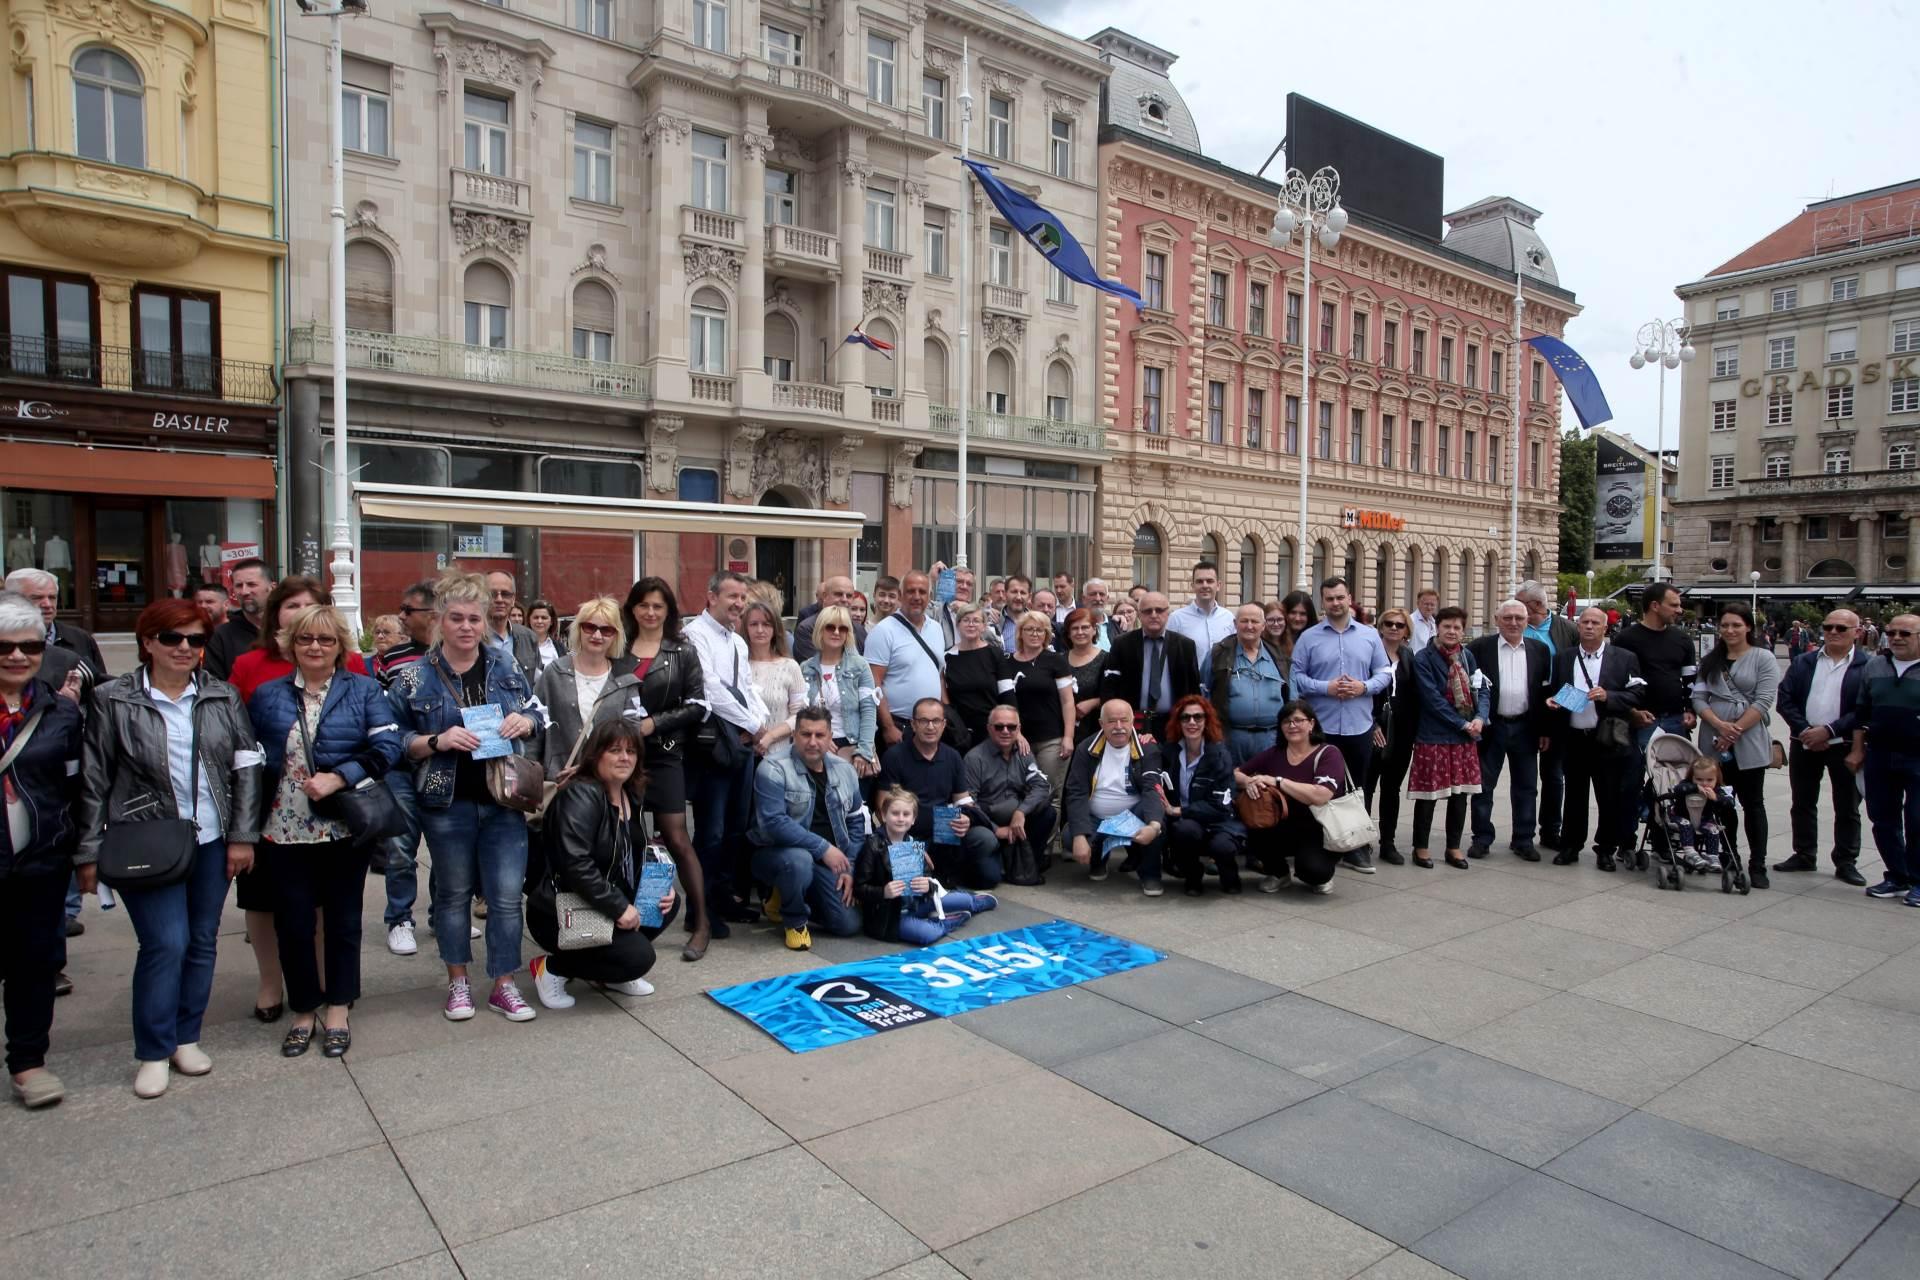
[(911, 676), (830, 698), (587, 689), (1110, 794)]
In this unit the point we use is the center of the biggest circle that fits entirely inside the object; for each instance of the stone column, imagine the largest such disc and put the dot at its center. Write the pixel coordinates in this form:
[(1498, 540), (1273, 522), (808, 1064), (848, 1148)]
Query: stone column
[(912, 353), (1790, 548), (668, 137), (750, 346), (1866, 555), (1913, 546), (116, 327), (307, 526), (1745, 531), (849, 366)]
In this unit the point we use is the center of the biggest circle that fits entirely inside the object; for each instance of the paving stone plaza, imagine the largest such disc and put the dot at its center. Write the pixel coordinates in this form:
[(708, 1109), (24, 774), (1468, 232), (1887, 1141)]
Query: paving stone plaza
[(1520, 1071)]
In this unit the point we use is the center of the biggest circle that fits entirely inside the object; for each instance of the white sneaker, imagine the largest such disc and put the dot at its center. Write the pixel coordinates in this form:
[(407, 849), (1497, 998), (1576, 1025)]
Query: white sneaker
[(549, 987), (400, 940), (1325, 886), (150, 1081), (636, 987), (473, 931), (1270, 884), (191, 1060)]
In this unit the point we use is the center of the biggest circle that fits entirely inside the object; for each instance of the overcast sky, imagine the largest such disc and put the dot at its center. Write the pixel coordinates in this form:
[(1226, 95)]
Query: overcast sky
[(1657, 139)]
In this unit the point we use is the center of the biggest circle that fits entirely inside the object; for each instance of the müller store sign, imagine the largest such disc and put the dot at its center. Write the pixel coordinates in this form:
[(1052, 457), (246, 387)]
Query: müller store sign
[(1386, 521), (132, 414)]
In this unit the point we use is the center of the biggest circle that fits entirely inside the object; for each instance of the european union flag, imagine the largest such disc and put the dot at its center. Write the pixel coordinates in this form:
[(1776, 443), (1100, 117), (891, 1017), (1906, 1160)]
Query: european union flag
[(1045, 232), (1576, 375)]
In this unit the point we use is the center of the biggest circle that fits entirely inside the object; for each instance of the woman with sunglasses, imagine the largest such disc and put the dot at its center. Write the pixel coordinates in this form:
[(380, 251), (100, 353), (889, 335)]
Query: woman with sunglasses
[(1201, 826), (1396, 715), (587, 685), (1042, 691), (840, 680), (141, 763), (324, 729), (1304, 771), (672, 692)]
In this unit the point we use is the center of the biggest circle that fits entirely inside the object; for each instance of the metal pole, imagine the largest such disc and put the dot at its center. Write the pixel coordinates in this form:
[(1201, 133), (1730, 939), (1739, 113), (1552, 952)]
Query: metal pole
[(1513, 476), (1660, 472), (964, 281), (1309, 408), (346, 597)]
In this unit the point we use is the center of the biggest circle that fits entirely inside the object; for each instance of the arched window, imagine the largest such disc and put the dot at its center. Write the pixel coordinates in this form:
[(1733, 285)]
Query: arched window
[(1351, 571), (707, 333), (1413, 576), (879, 369), (1533, 566), (1440, 574), (489, 296), (1489, 585), (1059, 391), (1899, 457), (594, 311), (999, 383), (1465, 598), (1283, 566), (1148, 554), (1322, 559), (933, 366), (782, 347), (1210, 549), (1382, 586), (369, 287), (1831, 569), (109, 109), (1249, 571)]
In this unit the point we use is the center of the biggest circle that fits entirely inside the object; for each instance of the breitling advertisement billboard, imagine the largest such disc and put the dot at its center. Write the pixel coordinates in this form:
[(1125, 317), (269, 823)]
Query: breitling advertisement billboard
[(1622, 516)]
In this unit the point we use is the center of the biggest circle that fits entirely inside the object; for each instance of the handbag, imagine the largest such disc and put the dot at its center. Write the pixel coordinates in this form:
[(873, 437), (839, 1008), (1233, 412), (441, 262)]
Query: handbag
[(1023, 864), (368, 812), (548, 787), (1345, 824), (583, 926), (1258, 813), (717, 737), (155, 852), (1612, 734)]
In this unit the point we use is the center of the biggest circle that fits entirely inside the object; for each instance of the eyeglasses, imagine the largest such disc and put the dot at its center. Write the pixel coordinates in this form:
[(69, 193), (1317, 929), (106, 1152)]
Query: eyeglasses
[(410, 609), (832, 627), (32, 648), (1193, 717), (1298, 722), (596, 629), (325, 642), (934, 721), (173, 639), (500, 595), (1841, 626), (1153, 609)]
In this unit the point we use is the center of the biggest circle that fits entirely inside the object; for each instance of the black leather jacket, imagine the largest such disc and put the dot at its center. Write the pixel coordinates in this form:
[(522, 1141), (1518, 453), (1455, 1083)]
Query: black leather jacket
[(580, 832), (671, 693)]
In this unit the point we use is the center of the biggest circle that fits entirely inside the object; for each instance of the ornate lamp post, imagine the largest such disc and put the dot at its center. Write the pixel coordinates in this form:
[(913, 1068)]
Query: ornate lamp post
[(1663, 343), (1313, 206)]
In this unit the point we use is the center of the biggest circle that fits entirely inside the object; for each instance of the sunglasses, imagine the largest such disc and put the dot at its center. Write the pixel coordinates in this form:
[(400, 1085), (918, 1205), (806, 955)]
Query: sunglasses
[(1899, 635), (1193, 717), (410, 609), (596, 629), (1841, 626), (32, 648), (832, 627), (1001, 728), (1393, 626), (325, 642), (174, 639)]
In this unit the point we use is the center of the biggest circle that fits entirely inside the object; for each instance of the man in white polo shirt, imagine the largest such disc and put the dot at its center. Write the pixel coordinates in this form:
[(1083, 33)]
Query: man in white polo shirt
[(905, 651)]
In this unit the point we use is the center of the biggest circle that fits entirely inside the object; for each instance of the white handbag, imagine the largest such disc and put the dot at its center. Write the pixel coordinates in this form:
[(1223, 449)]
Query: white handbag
[(583, 926), (1345, 824)]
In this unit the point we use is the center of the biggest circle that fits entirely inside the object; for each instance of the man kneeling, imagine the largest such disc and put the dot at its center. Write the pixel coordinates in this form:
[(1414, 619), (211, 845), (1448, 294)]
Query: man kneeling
[(1008, 786), (1114, 773), (804, 800)]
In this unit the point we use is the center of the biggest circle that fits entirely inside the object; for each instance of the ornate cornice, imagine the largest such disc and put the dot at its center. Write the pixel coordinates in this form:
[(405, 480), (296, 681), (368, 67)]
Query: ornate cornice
[(475, 232), (711, 260)]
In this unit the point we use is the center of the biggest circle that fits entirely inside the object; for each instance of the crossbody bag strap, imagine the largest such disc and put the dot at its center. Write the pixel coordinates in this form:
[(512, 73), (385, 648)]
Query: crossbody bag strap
[(300, 718), (937, 664), (1321, 753), (20, 739)]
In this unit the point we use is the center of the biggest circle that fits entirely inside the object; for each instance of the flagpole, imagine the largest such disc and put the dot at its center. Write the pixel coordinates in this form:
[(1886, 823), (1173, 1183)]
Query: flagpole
[(966, 302), (1513, 476)]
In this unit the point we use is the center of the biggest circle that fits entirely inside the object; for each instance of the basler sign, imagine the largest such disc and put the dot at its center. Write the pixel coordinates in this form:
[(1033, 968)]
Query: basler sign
[(140, 416)]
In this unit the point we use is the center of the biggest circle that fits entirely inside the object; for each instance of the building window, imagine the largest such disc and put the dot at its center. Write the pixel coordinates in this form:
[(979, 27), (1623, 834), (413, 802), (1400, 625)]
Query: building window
[(1786, 298), (1217, 299), (881, 53), (1781, 353), (707, 333), (593, 161), (1323, 432), (1818, 528), (489, 302), (1419, 361), (174, 334), (782, 347), (1060, 148), (1359, 348), (710, 25), (1494, 457), (1443, 450), (1726, 362), (1495, 382), (365, 109), (1533, 464), (1726, 309), (935, 246), (780, 46), (1290, 415), (1724, 412), (1839, 403), (1329, 315), (1059, 287), (999, 127), (1293, 319), (487, 118), (1257, 310), (1357, 437), (1722, 474), (1900, 457), (594, 312), (1845, 288), (1906, 336), (1473, 365), (999, 383), (933, 104), (1059, 391), (595, 17), (1416, 444), (709, 171), (1843, 344), (1147, 555), (1216, 413), (783, 191), (1780, 409), (1469, 442), (109, 109), (1903, 395), (1838, 462), (880, 223), (1256, 417), (1779, 466), (369, 287), (1152, 392), (1446, 359), (1719, 531), (1000, 257), (1155, 282), (1386, 441)]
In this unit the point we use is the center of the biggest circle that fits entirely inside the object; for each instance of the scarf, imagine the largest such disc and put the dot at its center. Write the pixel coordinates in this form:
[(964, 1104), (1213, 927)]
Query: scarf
[(1459, 685), (10, 722)]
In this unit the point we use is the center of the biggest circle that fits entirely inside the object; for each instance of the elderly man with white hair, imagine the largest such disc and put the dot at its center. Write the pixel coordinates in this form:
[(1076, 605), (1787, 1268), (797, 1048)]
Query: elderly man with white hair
[(42, 590)]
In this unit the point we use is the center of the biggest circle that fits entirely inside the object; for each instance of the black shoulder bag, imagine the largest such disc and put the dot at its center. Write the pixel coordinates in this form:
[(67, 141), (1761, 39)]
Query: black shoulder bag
[(957, 736), (717, 737), (368, 812), (155, 852)]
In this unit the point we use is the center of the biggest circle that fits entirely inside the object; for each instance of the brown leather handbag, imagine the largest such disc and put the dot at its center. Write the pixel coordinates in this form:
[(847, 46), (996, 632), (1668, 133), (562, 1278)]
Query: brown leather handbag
[(1261, 814)]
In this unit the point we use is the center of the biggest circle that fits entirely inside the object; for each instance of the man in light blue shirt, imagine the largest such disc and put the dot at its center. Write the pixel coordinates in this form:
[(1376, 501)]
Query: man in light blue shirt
[(1202, 620), (1339, 664)]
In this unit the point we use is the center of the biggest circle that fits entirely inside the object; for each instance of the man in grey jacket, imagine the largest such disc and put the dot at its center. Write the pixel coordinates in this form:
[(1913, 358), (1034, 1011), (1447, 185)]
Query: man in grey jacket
[(516, 641), (1008, 786)]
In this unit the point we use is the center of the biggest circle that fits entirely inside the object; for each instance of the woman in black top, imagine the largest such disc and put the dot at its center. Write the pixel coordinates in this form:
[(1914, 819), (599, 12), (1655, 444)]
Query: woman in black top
[(1085, 660), (671, 690), (1396, 713), (1042, 690), (976, 670)]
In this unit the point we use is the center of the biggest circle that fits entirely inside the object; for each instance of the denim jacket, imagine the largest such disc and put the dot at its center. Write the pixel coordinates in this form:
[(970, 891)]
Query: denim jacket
[(783, 798), (424, 705), (856, 698)]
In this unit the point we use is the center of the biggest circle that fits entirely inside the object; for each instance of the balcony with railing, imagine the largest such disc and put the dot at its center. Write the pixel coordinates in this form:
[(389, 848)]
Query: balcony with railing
[(803, 249), (168, 373), (458, 362), (1040, 433), (1821, 483), (809, 397), (888, 264), (711, 225), (475, 190), (1000, 297), (884, 409), (706, 388), (808, 82)]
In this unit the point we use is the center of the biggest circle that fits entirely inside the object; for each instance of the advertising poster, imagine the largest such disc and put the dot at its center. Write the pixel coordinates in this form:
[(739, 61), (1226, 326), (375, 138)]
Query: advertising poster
[(1619, 503)]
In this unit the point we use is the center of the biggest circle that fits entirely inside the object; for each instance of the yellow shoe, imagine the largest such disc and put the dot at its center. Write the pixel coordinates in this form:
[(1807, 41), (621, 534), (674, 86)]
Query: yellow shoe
[(771, 907), (800, 939)]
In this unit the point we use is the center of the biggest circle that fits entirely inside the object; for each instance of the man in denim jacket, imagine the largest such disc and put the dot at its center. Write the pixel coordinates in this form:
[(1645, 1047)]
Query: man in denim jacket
[(801, 844)]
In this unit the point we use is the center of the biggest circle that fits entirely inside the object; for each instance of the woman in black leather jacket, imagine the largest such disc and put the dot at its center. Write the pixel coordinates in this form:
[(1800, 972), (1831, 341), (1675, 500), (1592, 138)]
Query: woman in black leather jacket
[(596, 847), (671, 691), (1396, 714)]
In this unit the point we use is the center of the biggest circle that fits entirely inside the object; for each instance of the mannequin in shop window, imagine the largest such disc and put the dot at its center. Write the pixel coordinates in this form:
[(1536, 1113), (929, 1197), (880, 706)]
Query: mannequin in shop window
[(20, 551), (210, 559), (176, 565)]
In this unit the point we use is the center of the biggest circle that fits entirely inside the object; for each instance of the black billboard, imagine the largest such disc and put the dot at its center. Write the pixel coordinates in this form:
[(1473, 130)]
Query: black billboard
[(1381, 176)]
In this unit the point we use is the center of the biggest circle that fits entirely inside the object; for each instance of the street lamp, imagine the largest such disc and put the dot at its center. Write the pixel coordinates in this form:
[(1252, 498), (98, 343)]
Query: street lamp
[(1313, 206), (1754, 579), (1662, 343), (1589, 586)]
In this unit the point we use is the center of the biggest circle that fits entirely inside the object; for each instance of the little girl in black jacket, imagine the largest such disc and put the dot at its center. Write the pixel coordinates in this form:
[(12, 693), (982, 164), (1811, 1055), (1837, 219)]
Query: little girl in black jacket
[(887, 913)]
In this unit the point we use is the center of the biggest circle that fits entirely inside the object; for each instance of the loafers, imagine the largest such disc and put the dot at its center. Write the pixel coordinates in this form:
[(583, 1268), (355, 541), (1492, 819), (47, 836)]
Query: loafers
[(41, 1088), (298, 1041), (335, 1041)]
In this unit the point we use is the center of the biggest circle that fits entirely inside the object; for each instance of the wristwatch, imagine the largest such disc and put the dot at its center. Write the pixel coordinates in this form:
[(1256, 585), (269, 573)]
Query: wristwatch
[(433, 744)]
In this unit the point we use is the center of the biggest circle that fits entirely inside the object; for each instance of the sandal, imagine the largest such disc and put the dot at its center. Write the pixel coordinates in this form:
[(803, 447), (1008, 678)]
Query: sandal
[(298, 1040)]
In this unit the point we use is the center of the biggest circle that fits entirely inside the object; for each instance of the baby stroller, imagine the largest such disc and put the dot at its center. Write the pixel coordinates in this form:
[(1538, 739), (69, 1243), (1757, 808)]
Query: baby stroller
[(1670, 758)]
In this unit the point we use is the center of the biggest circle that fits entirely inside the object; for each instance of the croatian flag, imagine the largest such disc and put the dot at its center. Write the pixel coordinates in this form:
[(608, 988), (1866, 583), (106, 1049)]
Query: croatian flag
[(871, 343)]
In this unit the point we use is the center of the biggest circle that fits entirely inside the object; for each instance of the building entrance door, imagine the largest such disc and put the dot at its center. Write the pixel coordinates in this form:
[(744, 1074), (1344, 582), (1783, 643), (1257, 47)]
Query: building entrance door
[(119, 571)]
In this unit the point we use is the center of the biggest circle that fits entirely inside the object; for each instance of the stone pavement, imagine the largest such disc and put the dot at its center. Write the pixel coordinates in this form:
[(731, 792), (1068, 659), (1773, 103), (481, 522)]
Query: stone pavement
[(1517, 1071)]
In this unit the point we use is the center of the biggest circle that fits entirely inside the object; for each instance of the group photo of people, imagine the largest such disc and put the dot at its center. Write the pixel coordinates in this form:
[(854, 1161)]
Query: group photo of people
[(589, 784)]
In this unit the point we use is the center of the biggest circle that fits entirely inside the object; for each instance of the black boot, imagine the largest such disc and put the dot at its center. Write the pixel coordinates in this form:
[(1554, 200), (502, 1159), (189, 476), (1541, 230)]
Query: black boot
[(1757, 873)]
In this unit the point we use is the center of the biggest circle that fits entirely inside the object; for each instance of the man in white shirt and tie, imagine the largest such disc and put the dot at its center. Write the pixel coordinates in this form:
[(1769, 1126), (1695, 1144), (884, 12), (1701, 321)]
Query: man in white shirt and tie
[(1817, 700), (1519, 667)]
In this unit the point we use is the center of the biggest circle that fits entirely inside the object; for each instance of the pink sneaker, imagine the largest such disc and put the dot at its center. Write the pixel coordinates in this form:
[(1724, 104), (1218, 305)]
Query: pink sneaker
[(506, 1001), (459, 1001)]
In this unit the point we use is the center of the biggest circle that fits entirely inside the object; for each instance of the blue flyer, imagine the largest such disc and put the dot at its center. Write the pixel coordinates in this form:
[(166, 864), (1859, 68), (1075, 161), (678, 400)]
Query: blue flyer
[(1572, 700), (945, 585), (656, 879), (943, 816), (908, 859), (483, 722)]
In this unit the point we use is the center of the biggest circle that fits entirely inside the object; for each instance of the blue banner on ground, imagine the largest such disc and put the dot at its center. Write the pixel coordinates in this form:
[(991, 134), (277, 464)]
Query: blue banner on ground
[(822, 1007)]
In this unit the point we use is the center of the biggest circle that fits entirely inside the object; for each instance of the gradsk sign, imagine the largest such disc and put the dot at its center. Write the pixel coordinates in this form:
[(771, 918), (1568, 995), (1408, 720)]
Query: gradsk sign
[(1837, 376)]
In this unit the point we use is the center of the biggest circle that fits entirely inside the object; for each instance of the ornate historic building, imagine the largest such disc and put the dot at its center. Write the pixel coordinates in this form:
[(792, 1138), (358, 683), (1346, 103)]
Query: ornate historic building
[(1410, 420), (140, 238), (608, 255), (1800, 416)]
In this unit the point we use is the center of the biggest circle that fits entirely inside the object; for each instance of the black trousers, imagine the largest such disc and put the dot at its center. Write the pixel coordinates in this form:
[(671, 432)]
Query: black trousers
[(33, 931), (329, 878), (1596, 771), (1805, 769), (1750, 789), (630, 955), (1456, 820), (1192, 843), (1300, 839), (1386, 774), (1553, 788)]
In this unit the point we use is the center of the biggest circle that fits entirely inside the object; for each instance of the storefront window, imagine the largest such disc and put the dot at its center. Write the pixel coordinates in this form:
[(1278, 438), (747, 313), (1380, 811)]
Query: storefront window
[(590, 478), (1015, 528), (203, 537), (870, 500), (39, 535)]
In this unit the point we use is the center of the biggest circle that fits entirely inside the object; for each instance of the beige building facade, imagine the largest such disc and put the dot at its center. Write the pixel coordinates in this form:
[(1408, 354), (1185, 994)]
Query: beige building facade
[(602, 252)]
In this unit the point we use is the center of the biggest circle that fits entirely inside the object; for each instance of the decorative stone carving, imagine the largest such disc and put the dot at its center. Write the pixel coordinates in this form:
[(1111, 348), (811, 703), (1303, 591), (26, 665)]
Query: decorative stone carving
[(596, 261), (756, 145), (1001, 82), (108, 15), (916, 191), (712, 260), (856, 172), (935, 318), (1060, 104), (189, 88), (663, 452), (884, 295), (670, 128), (788, 143), (788, 458), (840, 469), (489, 61), (116, 182), (1062, 340), (476, 231), (740, 447), (115, 289), (781, 299), (103, 238), (900, 472), (365, 214), (941, 60), (998, 329), (443, 55)]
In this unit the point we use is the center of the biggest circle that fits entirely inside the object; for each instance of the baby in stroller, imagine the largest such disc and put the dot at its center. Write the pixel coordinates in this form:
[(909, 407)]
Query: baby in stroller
[(1699, 812)]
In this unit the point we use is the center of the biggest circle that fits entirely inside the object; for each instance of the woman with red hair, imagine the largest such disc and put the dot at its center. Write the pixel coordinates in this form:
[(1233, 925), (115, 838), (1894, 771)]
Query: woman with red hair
[(1199, 786)]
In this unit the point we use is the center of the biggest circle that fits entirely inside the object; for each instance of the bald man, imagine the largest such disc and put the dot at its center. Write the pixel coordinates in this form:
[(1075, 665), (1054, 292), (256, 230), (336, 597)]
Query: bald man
[(835, 590)]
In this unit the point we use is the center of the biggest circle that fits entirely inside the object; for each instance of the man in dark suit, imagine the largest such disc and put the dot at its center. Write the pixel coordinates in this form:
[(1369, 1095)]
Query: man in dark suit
[(42, 590), (1152, 668), (1609, 676), (835, 590), (1817, 699), (1558, 634), (1519, 668)]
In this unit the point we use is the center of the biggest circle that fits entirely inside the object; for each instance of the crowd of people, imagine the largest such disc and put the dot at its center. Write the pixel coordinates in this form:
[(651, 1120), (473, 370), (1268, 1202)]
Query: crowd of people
[(590, 773)]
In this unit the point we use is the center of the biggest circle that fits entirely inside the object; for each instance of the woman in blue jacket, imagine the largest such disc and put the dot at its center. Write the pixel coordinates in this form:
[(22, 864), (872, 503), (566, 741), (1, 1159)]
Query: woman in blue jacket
[(323, 729), (839, 679), (1454, 703)]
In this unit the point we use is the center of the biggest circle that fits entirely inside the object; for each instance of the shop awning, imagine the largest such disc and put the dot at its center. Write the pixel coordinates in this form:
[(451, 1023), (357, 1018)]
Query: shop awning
[(142, 472), (633, 515)]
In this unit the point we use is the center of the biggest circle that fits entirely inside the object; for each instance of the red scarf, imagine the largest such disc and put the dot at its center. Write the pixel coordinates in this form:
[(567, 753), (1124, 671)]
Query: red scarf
[(1459, 685), (10, 722)]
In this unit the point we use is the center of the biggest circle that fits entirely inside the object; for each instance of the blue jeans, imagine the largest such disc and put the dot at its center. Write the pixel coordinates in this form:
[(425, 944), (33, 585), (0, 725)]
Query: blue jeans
[(1631, 808), (173, 974), (483, 847), (73, 896), (808, 891), (1507, 741), (722, 803), (1245, 744), (403, 851), (918, 925), (1893, 806)]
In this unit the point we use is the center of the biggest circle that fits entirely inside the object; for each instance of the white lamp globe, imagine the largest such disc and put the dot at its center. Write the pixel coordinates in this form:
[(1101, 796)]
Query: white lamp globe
[(1337, 220), (1329, 239), (1672, 361), (1637, 360), (1686, 354), (1283, 223)]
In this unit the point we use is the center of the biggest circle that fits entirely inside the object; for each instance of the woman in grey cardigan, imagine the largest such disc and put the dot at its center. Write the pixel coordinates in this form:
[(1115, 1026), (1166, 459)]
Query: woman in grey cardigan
[(1733, 696), (839, 679), (591, 682)]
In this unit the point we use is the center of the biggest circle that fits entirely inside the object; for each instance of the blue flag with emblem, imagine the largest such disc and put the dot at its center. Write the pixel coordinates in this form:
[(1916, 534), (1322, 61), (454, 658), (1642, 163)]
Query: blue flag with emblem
[(1045, 232), (1576, 375)]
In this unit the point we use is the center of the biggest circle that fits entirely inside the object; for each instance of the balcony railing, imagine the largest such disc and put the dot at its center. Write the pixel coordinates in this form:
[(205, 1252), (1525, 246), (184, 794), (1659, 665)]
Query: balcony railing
[(85, 364), (809, 396), (1000, 297), (708, 389), (1838, 482), (491, 191), (813, 83), (884, 409), (1045, 433), (709, 224), (434, 358), (885, 262), (803, 244)]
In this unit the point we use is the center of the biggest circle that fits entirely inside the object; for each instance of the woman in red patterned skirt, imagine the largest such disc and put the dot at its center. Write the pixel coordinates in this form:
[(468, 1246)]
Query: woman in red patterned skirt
[(1446, 748)]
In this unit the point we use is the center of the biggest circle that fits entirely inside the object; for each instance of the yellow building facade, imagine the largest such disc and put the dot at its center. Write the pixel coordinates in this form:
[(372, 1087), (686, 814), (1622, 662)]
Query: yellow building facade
[(141, 244)]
